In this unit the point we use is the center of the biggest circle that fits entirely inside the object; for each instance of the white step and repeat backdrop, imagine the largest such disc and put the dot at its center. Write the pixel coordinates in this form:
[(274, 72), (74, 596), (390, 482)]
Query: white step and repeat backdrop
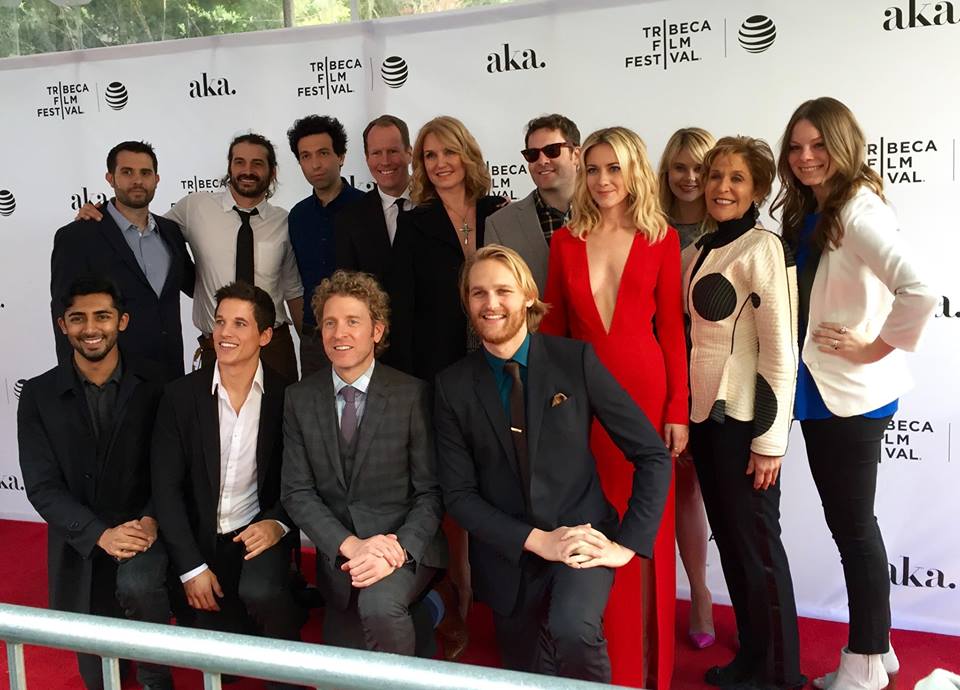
[(735, 67)]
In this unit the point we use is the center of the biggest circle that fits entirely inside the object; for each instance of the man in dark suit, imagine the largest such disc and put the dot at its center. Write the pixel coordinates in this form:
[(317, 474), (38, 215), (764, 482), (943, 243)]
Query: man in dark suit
[(552, 152), (359, 475), (365, 229), (81, 427), (513, 443), (217, 451), (144, 254)]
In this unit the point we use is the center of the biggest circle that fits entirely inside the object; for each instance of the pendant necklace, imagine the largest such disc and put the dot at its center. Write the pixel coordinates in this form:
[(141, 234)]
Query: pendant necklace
[(464, 227)]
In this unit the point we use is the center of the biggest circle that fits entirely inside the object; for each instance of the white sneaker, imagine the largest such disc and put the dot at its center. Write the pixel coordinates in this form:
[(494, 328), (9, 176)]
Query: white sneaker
[(891, 664)]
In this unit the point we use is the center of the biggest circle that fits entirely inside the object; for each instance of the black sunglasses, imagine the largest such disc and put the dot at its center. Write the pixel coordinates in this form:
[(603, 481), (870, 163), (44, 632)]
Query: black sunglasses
[(550, 151)]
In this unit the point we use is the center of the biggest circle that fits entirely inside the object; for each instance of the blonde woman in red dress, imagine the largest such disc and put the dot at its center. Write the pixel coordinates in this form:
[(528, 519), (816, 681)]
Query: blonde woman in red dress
[(614, 281)]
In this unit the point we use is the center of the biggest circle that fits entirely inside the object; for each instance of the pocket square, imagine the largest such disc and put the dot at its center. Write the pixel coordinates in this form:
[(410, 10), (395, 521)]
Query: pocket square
[(558, 399)]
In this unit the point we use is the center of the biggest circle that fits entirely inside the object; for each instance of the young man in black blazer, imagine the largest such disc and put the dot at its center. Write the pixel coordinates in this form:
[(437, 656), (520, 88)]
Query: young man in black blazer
[(144, 254), (81, 428), (217, 450), (513, 441)]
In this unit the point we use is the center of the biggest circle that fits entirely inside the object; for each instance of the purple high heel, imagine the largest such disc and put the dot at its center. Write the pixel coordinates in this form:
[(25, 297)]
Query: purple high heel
[(702, 640)]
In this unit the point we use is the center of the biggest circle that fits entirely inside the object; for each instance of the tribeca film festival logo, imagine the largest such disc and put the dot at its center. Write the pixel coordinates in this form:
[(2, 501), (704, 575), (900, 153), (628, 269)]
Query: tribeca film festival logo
[(898, 161), (334, 77), (904, 574), (73, 99), (207, 86), (506, 59), (502, 177), (202, 184), (670, 43), (757, 33), (394, 71), (920, 14), (912, 440), (8, 204)]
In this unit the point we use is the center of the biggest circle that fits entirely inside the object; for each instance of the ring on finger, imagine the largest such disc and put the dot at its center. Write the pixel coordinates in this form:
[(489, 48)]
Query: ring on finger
[(836, 344), (843, 330)]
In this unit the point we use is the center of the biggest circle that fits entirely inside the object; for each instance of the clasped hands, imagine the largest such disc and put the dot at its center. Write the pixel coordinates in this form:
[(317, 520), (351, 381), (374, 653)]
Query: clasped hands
[(581, 546), (128, 539), (372, 559)]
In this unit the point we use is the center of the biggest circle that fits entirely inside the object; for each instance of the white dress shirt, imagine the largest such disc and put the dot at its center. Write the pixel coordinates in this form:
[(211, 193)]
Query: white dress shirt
[(390, 210), (238, 503), (209, 224)]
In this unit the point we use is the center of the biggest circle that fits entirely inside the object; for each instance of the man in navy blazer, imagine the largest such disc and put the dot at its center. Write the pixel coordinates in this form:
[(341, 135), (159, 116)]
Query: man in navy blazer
[(513, 449), (143, 254)]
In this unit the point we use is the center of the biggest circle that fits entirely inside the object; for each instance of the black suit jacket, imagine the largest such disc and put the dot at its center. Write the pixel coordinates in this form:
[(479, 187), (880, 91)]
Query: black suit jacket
[(428, 324), (361, 239), (86, 247), (186, 464), (479, 474), (393, 488), (78, 492)]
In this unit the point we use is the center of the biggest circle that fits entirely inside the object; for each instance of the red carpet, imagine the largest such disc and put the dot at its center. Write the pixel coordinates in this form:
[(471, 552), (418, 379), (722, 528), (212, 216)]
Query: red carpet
[(23, 581)]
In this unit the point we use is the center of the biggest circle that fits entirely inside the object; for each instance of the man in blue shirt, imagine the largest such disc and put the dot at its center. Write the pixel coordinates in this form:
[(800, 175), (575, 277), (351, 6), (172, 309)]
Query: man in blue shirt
[(320, 145)]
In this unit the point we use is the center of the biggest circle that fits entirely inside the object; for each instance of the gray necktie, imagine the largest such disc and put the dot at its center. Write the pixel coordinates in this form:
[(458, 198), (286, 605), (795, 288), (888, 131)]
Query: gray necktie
[(348, 418)]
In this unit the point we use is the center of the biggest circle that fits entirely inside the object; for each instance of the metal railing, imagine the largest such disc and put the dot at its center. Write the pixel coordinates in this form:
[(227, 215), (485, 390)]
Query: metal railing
[(215, 653)]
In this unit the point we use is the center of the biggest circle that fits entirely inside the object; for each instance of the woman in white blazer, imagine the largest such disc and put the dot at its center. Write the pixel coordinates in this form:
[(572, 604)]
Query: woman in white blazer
[(861, 303)]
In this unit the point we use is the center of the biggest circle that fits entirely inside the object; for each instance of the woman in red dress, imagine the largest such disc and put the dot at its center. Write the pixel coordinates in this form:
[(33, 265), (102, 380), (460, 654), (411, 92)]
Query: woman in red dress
[(614, 281)]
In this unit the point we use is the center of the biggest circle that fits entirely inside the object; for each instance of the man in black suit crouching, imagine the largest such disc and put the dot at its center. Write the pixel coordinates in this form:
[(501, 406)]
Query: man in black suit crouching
[(513, 443), (81, 428), (217, 452)]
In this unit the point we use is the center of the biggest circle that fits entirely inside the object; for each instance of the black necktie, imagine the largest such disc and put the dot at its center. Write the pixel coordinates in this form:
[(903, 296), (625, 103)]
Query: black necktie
[(399, 204), (518, 426), (245, 246)]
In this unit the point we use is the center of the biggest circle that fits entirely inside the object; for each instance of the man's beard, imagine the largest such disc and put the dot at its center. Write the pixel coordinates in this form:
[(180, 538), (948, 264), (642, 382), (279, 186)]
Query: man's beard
[(258, 190), (513, 323), (127, 201)]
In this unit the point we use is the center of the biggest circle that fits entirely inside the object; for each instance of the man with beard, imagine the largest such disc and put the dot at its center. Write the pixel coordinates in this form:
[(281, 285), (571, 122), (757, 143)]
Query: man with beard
[(236, 234), (513, 424), (320, 145), (143, 254), (82, 430), (553, 155)]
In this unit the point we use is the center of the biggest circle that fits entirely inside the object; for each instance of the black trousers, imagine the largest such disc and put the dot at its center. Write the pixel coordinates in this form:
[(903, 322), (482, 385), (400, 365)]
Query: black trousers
[(844, 454), (135, 589), (379, 617), (256, 593), (746, 528), (556, 628)]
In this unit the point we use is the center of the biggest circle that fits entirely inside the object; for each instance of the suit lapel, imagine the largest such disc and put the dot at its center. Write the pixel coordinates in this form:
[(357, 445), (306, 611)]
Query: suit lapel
[(208, 412), (176, 260), (267, 429), (537, 373), (325, 405), (114, 236), (373, 411), (528, 217), (80, 426), (128, 384), (377, 226), (434, 222), (486, 389)]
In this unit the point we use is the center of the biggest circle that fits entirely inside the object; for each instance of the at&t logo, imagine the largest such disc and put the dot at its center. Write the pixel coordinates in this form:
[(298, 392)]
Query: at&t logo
[(116, 96), (920, 14), (757, 34), (394, 71), (507, 60), (8, 204)]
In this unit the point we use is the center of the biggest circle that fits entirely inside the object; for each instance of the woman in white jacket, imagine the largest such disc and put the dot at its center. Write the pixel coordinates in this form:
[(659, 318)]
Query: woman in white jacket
[(861, 303)]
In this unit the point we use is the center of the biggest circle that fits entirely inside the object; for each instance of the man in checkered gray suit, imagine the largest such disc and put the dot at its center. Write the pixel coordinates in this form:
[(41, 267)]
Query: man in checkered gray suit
[(359, 473)]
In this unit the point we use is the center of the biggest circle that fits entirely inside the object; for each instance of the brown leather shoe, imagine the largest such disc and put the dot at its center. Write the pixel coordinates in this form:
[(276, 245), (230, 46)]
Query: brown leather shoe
[(452, 629)]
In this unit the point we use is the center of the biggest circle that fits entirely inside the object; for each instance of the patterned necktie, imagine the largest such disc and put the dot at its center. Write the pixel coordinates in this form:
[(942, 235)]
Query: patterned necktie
[(348, 418), (518, 426), (245, 246)]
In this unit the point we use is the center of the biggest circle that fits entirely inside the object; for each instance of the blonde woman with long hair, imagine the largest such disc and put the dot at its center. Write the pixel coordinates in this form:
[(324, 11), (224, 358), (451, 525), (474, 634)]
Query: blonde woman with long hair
[(862, 303), (681, 197), (614, 276)]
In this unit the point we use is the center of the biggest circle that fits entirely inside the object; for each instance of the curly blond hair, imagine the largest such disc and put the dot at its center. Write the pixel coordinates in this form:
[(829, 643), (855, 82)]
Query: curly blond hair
[(363, 287)]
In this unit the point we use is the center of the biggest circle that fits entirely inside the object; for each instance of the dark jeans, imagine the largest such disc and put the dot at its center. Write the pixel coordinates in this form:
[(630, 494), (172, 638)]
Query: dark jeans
[(746, 528), (136, 589), (557, 626), (844, 454)]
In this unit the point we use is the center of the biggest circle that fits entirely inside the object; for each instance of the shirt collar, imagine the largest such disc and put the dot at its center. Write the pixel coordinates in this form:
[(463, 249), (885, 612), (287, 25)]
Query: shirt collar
[(228, 202), (125, 224), (335, 201), (520, 356), (217, 389), (544, 206), (114, 377), (389, 201), (361, 384)]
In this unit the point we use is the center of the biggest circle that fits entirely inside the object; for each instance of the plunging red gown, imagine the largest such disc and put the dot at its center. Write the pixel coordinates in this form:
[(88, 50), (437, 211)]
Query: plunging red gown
[(646, 352)]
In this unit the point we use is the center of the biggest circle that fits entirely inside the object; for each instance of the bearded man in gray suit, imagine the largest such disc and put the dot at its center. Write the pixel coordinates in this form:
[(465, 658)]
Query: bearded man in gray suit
[(552, 152), (359, 473)]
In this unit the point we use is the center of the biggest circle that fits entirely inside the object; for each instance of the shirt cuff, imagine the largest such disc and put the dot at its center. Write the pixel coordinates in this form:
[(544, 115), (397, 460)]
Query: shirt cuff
[(286, 530), (190, 574)]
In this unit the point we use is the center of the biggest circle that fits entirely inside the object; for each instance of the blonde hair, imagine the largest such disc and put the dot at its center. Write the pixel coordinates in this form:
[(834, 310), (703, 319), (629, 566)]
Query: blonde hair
[(846, 145), (453, 135), (361, 286), (521, 273), (638, 177), (693, 139)]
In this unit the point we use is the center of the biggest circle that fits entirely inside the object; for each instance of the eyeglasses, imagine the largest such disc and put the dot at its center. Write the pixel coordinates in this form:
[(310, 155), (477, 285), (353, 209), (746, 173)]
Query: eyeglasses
[(550, 151)]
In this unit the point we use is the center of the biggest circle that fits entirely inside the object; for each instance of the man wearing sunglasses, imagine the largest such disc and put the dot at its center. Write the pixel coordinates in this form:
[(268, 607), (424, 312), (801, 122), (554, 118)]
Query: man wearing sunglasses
[(552, 152)]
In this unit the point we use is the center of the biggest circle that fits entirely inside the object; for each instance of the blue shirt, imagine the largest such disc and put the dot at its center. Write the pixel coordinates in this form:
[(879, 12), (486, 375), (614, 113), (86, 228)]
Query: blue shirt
[(148, 247), (361, 384), (311, 234), (809, 403), (503, 379)]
